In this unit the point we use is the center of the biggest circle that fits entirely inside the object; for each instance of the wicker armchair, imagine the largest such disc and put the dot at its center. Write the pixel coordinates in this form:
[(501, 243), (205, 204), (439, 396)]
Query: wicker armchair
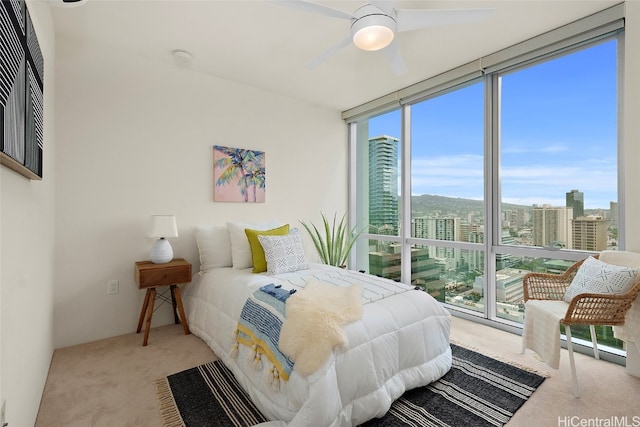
[(584, 309)]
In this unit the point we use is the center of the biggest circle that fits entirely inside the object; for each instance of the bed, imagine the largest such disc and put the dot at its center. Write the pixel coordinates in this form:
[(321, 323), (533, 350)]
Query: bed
[(400, 340)]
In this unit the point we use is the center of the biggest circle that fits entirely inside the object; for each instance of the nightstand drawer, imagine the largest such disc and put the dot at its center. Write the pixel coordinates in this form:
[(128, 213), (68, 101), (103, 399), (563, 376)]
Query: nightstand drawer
[(150, 275)]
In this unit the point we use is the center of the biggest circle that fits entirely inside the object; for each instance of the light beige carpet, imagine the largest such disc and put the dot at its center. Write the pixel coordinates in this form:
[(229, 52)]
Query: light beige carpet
[(111, 382)]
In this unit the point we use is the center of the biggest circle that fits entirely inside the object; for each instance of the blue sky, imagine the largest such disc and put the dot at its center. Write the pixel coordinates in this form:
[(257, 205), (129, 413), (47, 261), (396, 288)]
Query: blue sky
[(558, 133)]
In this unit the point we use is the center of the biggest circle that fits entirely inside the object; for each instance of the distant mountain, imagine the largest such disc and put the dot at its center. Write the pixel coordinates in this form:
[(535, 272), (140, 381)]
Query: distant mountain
[(429, 204)]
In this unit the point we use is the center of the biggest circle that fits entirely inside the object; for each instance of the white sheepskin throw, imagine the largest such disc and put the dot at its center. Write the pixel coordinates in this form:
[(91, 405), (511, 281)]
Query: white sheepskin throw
[(313, 325)]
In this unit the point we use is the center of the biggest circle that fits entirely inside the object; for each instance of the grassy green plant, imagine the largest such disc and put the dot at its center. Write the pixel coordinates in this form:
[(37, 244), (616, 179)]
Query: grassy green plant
[(334, 240)]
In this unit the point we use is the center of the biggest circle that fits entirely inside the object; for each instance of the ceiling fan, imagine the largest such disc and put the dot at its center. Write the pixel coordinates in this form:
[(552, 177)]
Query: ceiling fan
[(374, 25)]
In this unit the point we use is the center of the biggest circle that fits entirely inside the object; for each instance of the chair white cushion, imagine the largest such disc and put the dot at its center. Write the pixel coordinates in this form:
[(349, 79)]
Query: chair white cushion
[(630, 332), (595, 276)]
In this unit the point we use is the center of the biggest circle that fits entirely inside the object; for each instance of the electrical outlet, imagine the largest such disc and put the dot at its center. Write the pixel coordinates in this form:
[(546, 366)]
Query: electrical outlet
[(112, 287)]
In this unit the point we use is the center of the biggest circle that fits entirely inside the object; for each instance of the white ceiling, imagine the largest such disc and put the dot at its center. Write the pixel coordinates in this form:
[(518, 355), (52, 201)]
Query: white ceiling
[(264, 45)]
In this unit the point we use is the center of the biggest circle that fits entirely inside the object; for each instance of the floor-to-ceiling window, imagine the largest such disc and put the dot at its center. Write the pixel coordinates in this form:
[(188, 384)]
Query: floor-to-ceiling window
[(558, 166), (379, 151), (471, 182), (447, 188)]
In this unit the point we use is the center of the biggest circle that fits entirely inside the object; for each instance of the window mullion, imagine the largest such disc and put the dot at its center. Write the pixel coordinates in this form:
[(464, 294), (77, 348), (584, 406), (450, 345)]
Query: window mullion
[(405, 193), (492, 192), (352, 202)]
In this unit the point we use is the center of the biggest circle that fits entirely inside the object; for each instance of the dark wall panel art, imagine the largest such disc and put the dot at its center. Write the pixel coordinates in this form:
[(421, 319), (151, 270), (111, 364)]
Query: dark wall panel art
[(21, 91)]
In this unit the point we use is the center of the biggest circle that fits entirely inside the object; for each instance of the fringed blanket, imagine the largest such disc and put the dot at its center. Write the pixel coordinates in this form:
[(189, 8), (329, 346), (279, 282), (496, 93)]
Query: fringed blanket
[(259, 329), (296, 330)]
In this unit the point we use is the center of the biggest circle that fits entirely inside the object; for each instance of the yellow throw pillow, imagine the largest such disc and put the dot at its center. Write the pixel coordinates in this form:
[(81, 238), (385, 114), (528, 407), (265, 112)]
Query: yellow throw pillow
[(257, 252)]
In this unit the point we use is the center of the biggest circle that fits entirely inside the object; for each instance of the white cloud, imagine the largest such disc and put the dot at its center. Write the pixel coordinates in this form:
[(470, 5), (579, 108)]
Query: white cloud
[(462, 176), (535, 148)]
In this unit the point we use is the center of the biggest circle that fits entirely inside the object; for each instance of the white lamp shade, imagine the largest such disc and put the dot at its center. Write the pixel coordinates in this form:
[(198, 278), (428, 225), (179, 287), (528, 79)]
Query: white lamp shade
[(162, 226)]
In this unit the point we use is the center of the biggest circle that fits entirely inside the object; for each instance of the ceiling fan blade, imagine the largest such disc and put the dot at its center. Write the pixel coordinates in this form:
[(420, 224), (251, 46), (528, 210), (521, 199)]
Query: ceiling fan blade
[(415, 19), (385, 5), (394, 56), (329, 53), (313, 8)]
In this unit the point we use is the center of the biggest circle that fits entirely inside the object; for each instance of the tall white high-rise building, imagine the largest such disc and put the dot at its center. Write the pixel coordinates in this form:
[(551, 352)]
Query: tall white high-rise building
[(552, 226), (475, 259), (445, 228), (441, 228), (613, 214)]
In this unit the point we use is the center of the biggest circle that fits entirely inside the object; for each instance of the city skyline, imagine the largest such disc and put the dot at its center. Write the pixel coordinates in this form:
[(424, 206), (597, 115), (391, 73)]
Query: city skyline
[(551, 141), (556, 158)]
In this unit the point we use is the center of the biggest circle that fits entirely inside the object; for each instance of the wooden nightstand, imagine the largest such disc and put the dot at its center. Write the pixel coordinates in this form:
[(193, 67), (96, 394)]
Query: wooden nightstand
[(149, 276)]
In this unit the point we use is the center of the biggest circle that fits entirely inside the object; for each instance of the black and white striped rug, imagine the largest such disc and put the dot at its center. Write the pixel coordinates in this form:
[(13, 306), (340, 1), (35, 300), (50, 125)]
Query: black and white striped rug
[(477, 391)]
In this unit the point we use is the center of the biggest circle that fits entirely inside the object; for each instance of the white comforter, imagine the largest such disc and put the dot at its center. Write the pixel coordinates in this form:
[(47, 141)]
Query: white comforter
[(401, 342)]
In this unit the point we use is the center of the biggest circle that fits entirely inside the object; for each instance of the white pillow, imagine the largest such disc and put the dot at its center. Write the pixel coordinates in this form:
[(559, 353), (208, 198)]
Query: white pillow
[(597, 277), (284, 254), (214, 246), (240, 249)]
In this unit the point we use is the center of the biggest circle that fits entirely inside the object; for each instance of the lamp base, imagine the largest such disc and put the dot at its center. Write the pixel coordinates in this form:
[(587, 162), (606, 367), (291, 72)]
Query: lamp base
[(161, 251)]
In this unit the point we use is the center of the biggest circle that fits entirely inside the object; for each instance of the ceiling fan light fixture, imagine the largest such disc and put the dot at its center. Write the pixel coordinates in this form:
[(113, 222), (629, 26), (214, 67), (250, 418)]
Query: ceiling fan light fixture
[(374, 37), (373, 32)]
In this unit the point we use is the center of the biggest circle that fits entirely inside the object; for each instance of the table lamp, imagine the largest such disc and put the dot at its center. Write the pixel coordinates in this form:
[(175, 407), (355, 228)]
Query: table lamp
[(161, 227)]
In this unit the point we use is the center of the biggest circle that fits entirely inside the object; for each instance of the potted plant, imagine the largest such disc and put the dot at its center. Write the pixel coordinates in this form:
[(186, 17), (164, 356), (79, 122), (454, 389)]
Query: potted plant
[(333, 241)]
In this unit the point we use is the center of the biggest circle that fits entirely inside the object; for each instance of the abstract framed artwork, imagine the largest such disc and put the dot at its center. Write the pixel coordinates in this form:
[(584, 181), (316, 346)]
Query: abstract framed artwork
[(21, 91), (238, 175)]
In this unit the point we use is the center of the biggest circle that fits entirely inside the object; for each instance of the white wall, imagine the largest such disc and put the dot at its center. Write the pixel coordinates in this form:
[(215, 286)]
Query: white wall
[(27, 231), (135, 138)]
